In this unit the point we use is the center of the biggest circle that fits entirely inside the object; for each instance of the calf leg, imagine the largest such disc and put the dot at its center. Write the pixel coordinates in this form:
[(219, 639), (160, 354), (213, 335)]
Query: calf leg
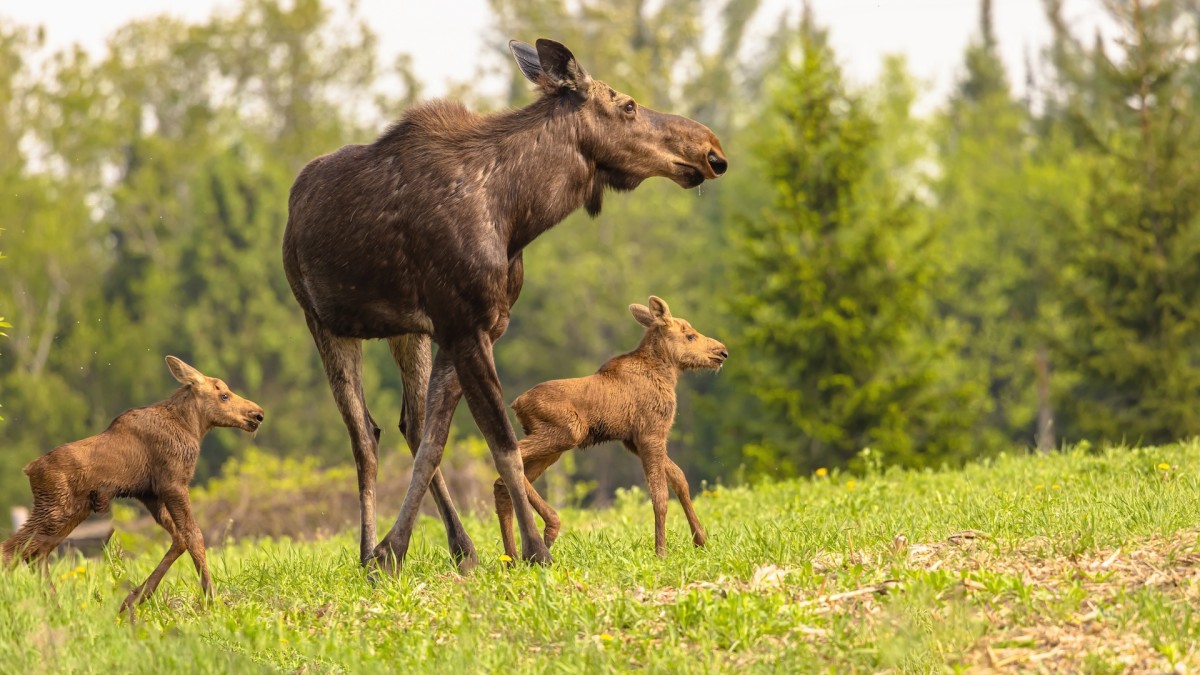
[(537, 454), (654, 456), (159, 511), (180, 509), (412, 354), (342, 358), (18, 544), (55, 513), (680, 485), (50, 532)]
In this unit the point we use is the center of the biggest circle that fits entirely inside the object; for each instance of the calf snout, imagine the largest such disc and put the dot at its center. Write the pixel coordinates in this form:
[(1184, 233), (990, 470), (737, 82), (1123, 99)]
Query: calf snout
[(254, 417), (720, 353), (717, 162)]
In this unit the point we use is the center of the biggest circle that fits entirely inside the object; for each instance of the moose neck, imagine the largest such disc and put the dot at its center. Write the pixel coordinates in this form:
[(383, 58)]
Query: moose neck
[(182, 407), (542, 172), (658, 362)]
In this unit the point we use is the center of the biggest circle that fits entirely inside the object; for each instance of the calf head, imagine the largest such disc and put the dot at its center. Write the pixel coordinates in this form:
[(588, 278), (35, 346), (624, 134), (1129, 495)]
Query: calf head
[(675, 338), (216, 403), (628, 142)]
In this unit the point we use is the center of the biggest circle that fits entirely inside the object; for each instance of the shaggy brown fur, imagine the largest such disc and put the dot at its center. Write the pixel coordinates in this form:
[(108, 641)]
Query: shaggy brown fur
[(148, 454), (420, 234), (630, 399)]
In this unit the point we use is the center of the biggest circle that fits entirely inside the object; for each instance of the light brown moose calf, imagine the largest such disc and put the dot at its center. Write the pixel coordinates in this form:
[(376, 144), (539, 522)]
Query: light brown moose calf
[(630, 399), (148, 454)]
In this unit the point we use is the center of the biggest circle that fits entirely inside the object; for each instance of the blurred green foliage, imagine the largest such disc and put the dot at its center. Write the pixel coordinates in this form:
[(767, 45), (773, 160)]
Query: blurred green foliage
[(1002, 271)]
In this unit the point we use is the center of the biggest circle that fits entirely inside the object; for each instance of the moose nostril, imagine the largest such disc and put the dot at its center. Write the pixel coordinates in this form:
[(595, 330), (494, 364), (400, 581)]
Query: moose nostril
[(718, 164), (258, 416), (724, 353)]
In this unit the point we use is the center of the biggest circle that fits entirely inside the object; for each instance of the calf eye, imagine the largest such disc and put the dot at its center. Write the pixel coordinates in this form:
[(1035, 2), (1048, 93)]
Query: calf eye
[(630, 107), (224, 397), (692, 337)]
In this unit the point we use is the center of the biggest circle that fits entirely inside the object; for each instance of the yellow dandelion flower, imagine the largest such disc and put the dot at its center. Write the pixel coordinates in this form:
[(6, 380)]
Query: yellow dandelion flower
[(1037, 487), (606, 637), (1163, 466), (80, 570), (850, 484), (822, 472), (1056, 486), (505, 558)]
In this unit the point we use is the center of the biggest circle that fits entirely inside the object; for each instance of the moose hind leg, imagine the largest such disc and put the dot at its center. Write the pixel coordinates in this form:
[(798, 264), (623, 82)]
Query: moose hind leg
[(413, 355), (481, 386), (536, 456), (342, 358), (444, 393)]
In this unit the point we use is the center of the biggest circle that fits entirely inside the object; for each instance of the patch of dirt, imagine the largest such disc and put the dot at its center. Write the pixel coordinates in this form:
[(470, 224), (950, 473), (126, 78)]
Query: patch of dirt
[(1100, 634)]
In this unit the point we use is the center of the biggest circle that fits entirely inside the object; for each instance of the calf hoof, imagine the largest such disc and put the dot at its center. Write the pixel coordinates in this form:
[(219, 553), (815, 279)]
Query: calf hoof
[(550, 536), (699, 539), (130, 601)]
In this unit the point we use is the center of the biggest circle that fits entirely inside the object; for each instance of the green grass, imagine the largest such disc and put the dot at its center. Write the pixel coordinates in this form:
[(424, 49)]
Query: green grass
[(1083, 560)]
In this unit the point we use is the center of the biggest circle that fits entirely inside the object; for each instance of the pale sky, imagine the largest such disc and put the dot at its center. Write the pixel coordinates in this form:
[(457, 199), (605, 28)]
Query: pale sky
[(446, 39)]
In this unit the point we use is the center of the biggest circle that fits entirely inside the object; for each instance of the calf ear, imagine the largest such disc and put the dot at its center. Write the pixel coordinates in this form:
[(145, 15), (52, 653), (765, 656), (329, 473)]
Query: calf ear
[(560, 66), (658, 307), (183, 372), (527, 60), (642, 314)]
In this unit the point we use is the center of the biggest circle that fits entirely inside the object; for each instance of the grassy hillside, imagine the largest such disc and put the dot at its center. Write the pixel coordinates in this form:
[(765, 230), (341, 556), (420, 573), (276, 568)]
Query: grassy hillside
[(1084, 559)]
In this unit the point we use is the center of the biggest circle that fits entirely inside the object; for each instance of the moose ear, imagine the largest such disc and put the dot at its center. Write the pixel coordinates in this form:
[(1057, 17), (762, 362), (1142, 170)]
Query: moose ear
[(183, 372), (560, 66), (642, 314), (527, 60), (658, 307)]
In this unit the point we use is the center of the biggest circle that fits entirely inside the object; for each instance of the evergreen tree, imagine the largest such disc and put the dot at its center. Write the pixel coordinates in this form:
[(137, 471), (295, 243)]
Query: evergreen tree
[(1133, 288), (999, 206), (831, 284)]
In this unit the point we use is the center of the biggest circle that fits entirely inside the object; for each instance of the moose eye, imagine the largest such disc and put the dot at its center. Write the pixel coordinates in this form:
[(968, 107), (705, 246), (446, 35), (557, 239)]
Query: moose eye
[(224, 397), (630, 107), (692, 337)]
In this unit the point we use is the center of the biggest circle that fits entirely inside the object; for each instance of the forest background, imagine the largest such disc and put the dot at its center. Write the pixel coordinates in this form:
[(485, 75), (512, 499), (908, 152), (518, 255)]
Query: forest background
[(1010, 269)]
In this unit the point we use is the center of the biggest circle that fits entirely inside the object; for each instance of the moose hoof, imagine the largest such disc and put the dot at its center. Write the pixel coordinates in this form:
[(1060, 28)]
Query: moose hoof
[(387, 560), (700, 540), (463, 552), (466, 562), (131, 601), (539, 554)]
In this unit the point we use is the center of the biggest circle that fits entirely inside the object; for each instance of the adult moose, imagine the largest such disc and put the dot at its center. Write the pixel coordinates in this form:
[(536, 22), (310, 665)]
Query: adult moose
[(420, 234)]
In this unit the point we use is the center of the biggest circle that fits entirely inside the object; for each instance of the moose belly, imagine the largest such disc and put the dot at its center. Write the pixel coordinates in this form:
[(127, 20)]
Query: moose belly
[(350, 311)]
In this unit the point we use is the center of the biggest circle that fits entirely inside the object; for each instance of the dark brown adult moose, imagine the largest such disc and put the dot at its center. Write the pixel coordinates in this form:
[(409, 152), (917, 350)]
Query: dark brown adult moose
[(420, 234), (630, 399), (147, 453)]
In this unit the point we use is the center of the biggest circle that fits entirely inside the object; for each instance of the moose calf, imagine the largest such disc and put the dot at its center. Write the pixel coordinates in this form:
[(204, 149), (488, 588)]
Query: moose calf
[(630, 399), (148, 454)]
